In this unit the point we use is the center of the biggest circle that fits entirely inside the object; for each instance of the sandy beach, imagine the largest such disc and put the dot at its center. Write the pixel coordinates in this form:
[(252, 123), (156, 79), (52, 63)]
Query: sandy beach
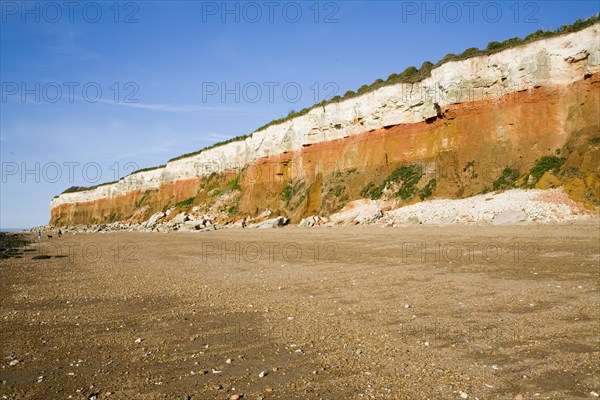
[(363, 312)]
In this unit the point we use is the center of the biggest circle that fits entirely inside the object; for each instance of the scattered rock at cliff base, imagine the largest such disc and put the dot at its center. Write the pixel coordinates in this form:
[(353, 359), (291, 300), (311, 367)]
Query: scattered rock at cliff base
[(358, 212), (201, 224), (240, 223), (154, 219), (271, 223), (181, 218), (309, 221), (511, 207), (510, 217), (189, 227), (264, 214)]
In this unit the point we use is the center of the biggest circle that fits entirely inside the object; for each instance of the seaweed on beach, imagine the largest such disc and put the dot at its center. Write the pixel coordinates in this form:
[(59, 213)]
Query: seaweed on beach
[(11, 244)]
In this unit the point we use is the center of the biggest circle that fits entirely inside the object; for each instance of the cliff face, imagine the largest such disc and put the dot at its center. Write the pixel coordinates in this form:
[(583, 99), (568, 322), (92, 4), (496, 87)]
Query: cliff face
[(464, 125)]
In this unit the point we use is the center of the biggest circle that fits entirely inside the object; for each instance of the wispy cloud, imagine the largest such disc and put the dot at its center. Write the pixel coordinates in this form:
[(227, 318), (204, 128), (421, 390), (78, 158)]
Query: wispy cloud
[(171, 108), (73, 137), (175, 108)]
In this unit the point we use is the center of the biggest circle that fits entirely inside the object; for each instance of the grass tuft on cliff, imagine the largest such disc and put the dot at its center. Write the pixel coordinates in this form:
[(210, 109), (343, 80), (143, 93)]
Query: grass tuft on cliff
[(402, 182), (147, 169), (74, 189), (545, 164), (506, 180), (212, 146), (187, 203)]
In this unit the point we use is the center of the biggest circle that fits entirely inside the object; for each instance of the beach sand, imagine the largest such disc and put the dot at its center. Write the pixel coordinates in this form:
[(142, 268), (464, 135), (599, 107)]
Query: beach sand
[(351, 312)]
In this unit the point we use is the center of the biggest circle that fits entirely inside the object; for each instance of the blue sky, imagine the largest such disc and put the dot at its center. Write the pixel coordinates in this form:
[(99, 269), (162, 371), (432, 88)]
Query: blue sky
[(92, 92)]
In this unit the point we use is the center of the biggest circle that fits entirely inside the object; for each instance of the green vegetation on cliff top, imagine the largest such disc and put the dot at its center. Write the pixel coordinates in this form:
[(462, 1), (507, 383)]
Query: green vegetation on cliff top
[(74, 189)]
